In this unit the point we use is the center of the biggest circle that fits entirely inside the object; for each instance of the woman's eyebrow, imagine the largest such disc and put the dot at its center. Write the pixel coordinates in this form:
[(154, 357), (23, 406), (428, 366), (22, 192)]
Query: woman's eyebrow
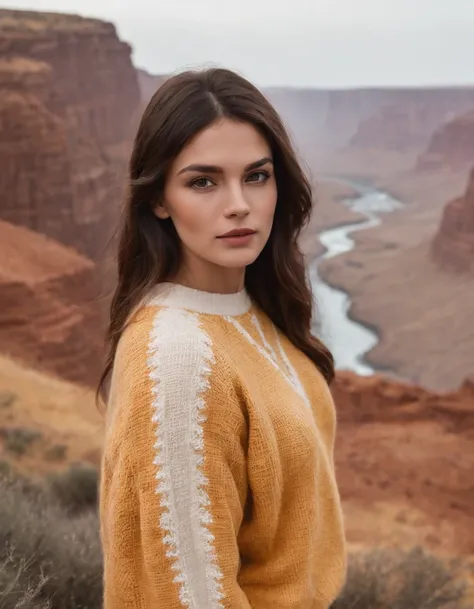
[(216, 169)]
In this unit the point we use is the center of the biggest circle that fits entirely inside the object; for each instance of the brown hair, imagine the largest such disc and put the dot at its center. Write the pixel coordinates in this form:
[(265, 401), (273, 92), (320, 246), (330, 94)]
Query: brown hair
[(149, 249)]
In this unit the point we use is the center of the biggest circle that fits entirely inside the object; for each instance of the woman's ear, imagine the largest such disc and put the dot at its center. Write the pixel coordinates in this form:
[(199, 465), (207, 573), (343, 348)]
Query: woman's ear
[(160, 211)]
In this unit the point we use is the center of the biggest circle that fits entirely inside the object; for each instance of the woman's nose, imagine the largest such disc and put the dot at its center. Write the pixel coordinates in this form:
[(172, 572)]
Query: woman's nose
[(237, 202)]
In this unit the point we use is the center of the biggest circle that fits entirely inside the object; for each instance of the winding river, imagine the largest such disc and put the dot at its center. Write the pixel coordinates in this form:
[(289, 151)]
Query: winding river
[(348, 340)]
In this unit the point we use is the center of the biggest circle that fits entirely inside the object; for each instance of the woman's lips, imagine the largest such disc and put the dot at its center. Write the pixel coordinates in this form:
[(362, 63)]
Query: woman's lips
[(238, 236)]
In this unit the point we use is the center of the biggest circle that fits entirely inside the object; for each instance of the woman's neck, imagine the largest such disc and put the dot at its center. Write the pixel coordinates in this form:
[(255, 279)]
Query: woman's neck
[(217, 280)]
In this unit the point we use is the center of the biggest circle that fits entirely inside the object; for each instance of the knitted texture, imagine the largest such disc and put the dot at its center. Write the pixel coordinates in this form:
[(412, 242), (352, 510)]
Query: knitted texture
[(217, 484)]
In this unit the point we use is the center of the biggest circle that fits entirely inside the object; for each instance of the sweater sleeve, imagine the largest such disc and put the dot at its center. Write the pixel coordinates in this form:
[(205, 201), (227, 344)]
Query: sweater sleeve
[(173, 485)]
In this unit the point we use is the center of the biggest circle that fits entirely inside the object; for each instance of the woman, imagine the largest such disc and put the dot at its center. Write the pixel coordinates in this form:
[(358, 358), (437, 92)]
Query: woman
[(217, 486)]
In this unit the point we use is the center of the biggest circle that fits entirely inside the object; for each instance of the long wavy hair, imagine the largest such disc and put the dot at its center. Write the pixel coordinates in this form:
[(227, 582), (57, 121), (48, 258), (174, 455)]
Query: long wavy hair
[(149, 249)]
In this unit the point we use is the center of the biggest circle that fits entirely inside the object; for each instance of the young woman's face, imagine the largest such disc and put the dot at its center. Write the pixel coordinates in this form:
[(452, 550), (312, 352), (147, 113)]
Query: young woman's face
[(221, 196)]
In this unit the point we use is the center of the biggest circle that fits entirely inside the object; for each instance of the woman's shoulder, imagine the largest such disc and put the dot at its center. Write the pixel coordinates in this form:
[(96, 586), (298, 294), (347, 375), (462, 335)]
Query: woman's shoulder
[(172, 345), (166, 330), (166, 352)]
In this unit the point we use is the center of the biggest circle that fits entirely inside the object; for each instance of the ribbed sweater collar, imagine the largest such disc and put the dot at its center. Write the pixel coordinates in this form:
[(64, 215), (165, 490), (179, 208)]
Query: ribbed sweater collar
[(179, 296)]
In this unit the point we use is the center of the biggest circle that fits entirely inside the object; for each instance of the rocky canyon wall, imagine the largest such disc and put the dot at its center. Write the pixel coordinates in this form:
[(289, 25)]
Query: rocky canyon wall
[(327, 124), (49, 313), (451, 145), (453, 245), (404, 126), (69, 92), (92, 67)]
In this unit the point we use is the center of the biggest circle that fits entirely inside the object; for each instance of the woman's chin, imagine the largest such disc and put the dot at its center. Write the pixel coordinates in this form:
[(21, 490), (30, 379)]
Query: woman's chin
[(236, 260)]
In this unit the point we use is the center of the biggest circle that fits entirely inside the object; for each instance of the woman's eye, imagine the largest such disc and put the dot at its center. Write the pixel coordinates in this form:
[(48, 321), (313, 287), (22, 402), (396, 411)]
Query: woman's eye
[(258, 176), (201, 183)]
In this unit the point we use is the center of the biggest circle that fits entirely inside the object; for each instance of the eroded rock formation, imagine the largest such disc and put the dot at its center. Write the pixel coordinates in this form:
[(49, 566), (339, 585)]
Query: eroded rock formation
[(453, 245), (68, 93), (49, 315), (92, 67), (452, 144)]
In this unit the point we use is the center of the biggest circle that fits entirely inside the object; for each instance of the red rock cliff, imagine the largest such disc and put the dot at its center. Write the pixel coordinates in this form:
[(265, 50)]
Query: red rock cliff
[(452, 144), (92, 68), (49, 317), (453, 246), (68, 92)]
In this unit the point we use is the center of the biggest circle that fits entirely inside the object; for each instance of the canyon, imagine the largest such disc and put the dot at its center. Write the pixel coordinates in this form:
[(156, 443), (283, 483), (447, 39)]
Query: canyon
[(367, 131), (401, 282), (69, 102)]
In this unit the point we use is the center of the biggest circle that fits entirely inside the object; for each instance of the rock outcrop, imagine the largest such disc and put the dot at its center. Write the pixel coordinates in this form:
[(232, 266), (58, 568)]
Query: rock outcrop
[(451, 146), (68, 93), (92, 67), (49, 316), (402, 457), (149, 84), (453, 245), (401, 127)]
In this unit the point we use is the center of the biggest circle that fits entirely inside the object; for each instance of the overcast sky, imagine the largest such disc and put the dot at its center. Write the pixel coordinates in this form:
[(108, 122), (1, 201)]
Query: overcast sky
[(316, 43)]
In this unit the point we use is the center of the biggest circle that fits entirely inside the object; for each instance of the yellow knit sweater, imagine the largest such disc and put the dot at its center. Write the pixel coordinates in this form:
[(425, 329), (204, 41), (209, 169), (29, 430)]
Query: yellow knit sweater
[(217, 486)]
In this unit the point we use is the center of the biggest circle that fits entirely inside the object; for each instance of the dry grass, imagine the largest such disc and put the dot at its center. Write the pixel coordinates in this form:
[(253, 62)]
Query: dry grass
[(50, 559), (64, 415)]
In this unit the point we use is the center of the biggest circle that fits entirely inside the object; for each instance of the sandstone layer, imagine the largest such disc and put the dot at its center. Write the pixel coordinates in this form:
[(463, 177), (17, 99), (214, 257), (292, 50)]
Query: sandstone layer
[(453, 245), (452, 144), (92, 68), (403, 458), (49, 316), (68, 93)]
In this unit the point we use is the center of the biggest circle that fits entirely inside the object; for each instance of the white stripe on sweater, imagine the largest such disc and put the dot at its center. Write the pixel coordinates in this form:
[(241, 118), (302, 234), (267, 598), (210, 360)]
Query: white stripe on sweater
[(180, 360)]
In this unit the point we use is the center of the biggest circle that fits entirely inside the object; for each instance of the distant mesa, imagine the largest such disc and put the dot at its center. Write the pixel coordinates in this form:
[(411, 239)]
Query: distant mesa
[(453, 245), (451, 146)]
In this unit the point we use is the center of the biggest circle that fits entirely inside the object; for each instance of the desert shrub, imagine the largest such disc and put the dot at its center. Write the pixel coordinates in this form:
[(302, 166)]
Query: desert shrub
[(57, 452), (52, 560), (76, 488), (62, 552), (17, 590), (396, 579), (5, 468), (18, 439)]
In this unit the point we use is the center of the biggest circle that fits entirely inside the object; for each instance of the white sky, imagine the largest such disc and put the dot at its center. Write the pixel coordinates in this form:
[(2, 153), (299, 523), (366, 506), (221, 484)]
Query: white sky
[(316, 43)]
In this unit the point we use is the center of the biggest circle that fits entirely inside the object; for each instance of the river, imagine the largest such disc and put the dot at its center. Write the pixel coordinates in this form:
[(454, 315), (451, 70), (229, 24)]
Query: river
[(348, 340)]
